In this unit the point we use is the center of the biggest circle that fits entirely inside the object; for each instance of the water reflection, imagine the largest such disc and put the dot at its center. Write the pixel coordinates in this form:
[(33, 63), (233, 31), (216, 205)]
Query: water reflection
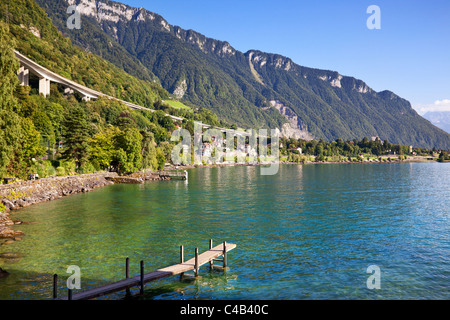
[(310, 230)]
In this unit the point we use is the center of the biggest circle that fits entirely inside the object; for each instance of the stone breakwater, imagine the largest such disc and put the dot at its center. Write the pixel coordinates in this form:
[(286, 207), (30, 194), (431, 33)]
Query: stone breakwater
[(22, 194)]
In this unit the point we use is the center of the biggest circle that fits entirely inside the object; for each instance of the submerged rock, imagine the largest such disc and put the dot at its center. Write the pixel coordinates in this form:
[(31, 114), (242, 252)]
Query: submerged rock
[(3, 273), (11, 255)]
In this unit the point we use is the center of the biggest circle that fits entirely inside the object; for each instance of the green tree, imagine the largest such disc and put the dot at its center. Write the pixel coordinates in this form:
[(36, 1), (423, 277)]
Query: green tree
[(130, 140), (148, 151), (44, 125), (30, 142), (119, 160), (8, 70), (76, 136), (102, 147), (161, 159), (10, 136), (443, 156), (166, 148)]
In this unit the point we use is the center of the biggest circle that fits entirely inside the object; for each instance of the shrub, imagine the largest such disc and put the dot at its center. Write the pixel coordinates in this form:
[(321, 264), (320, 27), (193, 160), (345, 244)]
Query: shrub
[(87, 168), (43, 168), (60, 171), (69, 167)]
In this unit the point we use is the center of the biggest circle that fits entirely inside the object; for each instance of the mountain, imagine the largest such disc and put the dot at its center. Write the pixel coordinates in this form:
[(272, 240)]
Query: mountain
[(440, 119), (252, 89)]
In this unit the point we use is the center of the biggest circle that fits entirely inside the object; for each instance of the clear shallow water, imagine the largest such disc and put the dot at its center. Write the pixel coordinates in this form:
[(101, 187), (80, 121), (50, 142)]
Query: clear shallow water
[(309, 232)]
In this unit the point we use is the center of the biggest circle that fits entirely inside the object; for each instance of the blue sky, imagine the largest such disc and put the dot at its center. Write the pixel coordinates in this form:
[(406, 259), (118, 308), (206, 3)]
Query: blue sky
[(409, 55)]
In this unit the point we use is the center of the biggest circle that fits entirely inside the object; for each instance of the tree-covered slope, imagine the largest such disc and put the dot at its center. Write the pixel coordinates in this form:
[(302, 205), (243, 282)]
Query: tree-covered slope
[(245, 88), (63, 134), (37, 38)]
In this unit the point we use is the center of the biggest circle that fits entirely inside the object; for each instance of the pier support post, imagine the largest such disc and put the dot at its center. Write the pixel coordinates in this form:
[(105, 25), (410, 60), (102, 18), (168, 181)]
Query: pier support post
[(55, 286), (127, 273), (196, 263), (142, 278), (181, 259), (210, 247), (224, 255)]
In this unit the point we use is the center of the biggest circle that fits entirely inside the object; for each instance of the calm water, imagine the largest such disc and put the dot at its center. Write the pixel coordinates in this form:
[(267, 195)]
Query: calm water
[(309, 232)]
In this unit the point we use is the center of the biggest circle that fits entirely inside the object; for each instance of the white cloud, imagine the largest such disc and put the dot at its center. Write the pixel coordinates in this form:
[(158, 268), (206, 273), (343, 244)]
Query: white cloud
[(437, 106)]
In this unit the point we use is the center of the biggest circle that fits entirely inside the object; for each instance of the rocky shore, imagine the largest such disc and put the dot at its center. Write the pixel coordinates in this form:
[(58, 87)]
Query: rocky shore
[(25, 193)]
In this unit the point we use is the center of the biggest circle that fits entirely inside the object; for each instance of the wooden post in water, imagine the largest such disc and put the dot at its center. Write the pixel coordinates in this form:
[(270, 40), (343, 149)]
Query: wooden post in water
[(55, 286), (224, 255), (127, 273), (181, 259), (196, 263), (210, 247), (142, 278), (69, 295)]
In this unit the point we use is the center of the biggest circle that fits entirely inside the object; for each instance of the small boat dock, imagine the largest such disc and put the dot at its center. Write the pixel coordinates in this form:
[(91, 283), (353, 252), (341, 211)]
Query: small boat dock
[(174, 175), (193, 264)]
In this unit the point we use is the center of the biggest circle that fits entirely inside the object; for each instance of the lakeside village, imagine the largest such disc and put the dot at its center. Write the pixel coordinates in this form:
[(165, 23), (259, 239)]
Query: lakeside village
[(225, 149)]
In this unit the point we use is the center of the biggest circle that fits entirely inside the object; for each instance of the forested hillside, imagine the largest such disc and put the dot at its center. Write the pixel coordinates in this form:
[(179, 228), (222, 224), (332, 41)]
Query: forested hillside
[(248, 89), (75, 136)]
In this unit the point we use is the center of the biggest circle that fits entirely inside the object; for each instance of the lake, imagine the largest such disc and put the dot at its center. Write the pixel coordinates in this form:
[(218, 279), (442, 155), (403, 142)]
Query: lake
[(309, 232)]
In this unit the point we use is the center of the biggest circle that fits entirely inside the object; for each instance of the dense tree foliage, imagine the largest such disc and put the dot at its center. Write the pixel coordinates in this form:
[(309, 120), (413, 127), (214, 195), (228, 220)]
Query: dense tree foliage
[(73, 135), (10, 125), (348, 150), (76, 136)]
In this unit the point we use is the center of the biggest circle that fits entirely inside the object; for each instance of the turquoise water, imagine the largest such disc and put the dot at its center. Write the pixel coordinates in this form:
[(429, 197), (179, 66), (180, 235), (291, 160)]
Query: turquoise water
[(309, 232)]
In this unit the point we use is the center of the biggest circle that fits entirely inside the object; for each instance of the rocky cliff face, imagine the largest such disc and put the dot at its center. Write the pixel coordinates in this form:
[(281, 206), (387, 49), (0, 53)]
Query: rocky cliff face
[(295, 128), (110, 11)]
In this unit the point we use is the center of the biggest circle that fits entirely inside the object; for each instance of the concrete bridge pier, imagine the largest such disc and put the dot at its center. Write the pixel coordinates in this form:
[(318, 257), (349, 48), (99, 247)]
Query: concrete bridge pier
[(24, 76), (44, 86)]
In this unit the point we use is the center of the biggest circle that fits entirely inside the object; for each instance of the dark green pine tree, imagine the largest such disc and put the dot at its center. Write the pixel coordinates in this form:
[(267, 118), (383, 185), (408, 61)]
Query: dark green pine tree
[(76, 136)]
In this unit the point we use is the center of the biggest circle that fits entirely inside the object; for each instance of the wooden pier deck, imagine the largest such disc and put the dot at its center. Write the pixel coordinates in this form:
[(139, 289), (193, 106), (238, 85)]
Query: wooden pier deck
[(190, 265), (174, 175)]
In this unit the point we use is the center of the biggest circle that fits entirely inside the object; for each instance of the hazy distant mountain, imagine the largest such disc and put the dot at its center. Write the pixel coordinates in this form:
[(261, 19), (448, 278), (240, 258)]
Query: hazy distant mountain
[(439, 119), (252, 89)]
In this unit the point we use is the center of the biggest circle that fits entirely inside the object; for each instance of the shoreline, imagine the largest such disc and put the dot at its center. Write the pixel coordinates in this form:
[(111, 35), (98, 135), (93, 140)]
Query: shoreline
[(410, 160), (18, 195), (22, 194)]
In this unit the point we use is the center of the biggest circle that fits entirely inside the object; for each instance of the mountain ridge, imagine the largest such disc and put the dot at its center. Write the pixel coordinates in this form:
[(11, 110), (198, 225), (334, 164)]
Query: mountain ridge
[(244, 88)]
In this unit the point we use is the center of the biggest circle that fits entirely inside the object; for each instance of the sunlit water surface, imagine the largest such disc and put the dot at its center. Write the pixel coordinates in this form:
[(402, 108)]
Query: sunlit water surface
[(309, 232)]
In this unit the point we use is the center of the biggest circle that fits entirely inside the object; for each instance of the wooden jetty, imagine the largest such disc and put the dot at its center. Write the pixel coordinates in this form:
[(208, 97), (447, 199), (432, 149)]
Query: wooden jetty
[(180, 175), (193, 264)]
